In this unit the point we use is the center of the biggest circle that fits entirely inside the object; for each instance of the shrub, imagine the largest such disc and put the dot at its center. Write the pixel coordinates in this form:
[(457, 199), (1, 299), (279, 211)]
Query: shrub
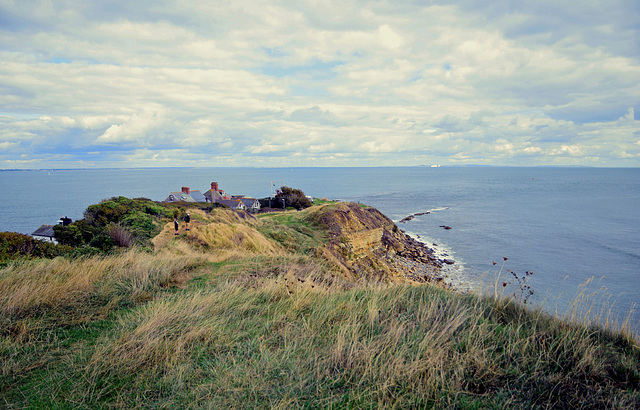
[(69, 235), (135, 218), (292, 198), (103, 242), (117, 209), (15, 245), (108, 211), (140, 223)]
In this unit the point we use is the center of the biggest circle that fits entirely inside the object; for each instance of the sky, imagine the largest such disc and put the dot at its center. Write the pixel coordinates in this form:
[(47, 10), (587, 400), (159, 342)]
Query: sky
[(104, 83)]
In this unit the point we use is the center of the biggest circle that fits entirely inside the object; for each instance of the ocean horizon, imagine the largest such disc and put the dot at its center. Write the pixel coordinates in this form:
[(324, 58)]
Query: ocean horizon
[(576, 228)]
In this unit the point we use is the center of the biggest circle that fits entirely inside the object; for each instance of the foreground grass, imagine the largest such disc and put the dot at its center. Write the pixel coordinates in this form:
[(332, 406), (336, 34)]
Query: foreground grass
[(282, 343)]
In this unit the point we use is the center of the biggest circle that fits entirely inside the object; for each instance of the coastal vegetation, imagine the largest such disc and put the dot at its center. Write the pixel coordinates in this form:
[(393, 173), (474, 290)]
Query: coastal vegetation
[(16, 246), (293, 309), (287, 197)]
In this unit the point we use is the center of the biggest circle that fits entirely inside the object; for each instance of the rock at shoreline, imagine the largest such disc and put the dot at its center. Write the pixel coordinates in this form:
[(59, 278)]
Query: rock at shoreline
[(445, 227), (410, 217)]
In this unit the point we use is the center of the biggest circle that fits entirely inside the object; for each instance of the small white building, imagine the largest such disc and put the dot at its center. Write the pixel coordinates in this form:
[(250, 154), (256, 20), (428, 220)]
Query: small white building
[(251, 204), (45, 233), (234, 204)]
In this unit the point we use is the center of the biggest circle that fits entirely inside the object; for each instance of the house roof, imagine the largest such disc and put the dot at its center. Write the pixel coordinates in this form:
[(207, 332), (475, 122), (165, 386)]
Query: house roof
[(179, 196), (250, 202), (193, 196), (44, 230), (217, 195), (197, 196), (231, 203)]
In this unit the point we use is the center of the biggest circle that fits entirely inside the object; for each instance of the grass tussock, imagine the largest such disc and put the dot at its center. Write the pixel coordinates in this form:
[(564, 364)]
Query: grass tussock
[(225, 236)]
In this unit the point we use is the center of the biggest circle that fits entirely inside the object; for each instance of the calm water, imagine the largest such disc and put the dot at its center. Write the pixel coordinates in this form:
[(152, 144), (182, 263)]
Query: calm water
[(565, 224)]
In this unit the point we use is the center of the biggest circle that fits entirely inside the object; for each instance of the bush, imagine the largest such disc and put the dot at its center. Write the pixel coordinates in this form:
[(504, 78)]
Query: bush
[(117, 209), (70, 235), (15, 245), (140, 223), (109, 211), (292, 198), (133, 219), (103, 242)]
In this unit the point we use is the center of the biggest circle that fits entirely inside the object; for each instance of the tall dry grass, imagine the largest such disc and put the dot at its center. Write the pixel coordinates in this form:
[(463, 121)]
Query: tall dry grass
[(288, 344), (595, 307), (72, 287), (121, 236), (237, 237), (591, 306)]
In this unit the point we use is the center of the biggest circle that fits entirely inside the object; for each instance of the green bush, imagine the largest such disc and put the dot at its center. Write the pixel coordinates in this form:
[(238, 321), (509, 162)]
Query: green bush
[(155, 209), (140, 223), (15, 245), (138, 216), (103, 242), (292, 198), (70, 235), (109, 211)]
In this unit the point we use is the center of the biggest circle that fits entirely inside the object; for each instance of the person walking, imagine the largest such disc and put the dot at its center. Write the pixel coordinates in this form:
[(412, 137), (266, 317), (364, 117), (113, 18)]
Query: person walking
[(176, 225), (187, 219)]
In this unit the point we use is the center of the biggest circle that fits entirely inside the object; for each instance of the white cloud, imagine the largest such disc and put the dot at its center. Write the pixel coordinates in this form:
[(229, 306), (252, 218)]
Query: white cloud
[(6, 145), (389, 38), (303, 83), (134, 129)]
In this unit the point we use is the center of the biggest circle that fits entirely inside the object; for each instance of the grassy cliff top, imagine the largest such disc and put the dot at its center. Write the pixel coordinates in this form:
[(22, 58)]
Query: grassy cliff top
[(291, 309)]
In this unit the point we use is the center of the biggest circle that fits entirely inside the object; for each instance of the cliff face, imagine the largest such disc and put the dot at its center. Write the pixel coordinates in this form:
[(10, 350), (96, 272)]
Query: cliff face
[(367, 244)]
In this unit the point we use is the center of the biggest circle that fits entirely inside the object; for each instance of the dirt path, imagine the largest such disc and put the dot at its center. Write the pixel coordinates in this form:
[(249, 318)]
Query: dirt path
[(168, 233)]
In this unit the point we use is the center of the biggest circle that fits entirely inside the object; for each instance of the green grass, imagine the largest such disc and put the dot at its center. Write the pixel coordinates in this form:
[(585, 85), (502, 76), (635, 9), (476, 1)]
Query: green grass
[(296, 231), (323, 201)]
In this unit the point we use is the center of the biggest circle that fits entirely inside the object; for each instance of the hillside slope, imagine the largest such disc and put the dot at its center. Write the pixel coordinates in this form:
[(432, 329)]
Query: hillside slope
[(289, 310)]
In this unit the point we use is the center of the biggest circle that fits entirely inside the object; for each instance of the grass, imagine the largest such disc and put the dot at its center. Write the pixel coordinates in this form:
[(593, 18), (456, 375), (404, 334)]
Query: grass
[(283, 343), (295, 231), (259, 321)]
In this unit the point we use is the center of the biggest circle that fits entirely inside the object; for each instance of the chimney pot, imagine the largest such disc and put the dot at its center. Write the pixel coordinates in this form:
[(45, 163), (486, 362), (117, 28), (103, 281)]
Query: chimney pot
[(185, 189), (214, 186)]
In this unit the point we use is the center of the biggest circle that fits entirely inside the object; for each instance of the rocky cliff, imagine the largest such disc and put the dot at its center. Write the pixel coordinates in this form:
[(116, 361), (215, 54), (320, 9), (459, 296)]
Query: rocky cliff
[(367, 244)]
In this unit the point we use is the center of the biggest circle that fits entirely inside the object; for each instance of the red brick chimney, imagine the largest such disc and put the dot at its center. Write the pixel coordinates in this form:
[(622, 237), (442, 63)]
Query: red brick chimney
[(214, 186), (185, 190)]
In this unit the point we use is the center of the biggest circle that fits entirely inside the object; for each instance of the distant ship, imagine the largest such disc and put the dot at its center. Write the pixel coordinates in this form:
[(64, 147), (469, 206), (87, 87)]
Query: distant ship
[(435, 166)]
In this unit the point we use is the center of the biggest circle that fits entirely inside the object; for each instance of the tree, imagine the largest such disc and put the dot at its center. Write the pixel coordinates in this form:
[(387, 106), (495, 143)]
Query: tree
[(292, 198)]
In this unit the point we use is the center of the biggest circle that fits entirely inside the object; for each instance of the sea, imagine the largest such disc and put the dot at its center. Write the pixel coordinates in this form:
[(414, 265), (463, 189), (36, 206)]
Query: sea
[(575, 230)]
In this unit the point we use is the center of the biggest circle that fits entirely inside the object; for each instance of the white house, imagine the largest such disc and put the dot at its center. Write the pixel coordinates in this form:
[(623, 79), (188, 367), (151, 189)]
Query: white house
[(45, 233)]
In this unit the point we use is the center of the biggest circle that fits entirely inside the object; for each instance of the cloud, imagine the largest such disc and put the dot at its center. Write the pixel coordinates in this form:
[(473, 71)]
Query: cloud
[(6, 145), (629, 116), (315, 115), (299, 83)]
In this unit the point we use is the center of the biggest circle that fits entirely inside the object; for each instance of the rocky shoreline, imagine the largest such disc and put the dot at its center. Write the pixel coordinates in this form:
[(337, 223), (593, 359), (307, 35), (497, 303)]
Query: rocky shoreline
[(369, 244)]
